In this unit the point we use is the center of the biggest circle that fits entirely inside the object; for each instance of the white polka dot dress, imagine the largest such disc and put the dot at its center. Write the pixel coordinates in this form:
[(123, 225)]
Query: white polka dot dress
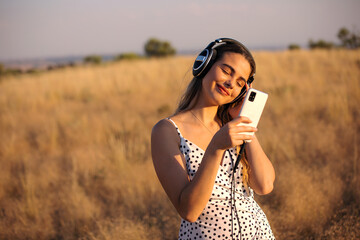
[(229, 214)]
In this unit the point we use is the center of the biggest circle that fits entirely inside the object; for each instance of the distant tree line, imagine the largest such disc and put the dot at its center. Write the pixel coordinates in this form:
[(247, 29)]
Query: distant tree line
[(4, 71), (348, 39), (157, 48), (152, 48), (14, 71)]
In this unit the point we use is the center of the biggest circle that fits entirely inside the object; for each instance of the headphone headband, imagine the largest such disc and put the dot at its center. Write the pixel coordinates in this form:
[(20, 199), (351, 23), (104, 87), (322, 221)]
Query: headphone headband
[(204, 60)]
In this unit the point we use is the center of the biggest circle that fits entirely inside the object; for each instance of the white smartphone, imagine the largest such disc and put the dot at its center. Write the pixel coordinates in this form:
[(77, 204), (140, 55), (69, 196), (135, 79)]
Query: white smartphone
[(253, 107)]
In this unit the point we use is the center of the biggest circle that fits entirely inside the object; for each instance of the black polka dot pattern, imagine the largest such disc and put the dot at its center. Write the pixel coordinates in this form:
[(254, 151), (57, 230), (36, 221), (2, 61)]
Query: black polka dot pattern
[(222, 216)]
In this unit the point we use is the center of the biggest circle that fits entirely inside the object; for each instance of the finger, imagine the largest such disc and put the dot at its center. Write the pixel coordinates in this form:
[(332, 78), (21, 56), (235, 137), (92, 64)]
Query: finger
[(240, 129), (239, 142), (242, 137), (242, 122), (242, 119), (243, 131)]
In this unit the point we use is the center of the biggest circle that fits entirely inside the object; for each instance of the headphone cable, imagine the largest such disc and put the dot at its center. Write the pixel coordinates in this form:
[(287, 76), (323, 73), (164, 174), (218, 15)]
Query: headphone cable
[(242, 148), (233, 190)]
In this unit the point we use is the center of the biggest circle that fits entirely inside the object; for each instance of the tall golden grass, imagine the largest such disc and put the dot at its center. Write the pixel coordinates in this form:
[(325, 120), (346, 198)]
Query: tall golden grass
[(75, 147)]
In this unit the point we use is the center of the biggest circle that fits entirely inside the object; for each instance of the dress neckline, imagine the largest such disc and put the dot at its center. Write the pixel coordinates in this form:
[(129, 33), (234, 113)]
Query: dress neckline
[(202, 150)]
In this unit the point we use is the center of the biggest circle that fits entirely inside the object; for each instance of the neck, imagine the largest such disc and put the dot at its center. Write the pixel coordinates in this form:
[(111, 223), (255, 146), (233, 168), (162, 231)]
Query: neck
[(205, 114)]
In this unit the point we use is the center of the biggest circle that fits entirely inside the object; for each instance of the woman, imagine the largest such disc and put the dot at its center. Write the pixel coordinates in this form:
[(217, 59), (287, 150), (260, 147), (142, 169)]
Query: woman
[(195, 149)]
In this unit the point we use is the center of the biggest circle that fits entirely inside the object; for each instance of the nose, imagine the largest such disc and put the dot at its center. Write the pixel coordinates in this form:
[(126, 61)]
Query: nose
[(230, 83)]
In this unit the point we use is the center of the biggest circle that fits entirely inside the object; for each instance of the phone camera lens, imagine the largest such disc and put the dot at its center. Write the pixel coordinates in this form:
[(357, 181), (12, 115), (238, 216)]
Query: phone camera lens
[(252, 96)]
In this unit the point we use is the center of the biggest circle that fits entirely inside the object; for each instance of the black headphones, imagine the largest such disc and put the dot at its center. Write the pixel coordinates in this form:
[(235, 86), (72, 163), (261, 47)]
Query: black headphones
[(207, 57)]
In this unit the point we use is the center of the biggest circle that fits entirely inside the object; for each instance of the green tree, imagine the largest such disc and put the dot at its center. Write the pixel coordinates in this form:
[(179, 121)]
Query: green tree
[(13, 71), (343, 35), (93, 59), (2, 69), (157, 48), (348, 39), (127, 56), (293, 46), (320, 44)]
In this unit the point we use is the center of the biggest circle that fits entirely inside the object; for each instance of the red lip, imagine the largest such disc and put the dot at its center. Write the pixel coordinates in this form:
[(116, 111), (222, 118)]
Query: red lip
[(223, 90)]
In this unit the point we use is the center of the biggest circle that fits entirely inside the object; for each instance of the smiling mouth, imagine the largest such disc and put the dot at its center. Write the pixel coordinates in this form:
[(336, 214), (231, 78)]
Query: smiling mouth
[(222, 90)]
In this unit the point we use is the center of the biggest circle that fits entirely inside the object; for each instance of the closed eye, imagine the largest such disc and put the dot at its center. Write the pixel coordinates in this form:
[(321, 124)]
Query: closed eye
[(225, 71), (228, 70), (241, 83)]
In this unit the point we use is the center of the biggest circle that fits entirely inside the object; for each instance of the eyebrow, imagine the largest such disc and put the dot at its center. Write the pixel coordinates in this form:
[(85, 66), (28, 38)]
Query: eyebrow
[(233, 70)]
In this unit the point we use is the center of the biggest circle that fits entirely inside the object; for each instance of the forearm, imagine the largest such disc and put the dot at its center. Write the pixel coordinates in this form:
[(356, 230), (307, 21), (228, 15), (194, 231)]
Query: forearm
[(262, 173), (196, 194)]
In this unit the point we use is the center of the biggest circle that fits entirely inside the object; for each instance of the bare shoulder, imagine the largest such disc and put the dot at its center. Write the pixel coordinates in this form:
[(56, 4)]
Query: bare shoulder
[(164, 126), (164, 132), (165, 147)]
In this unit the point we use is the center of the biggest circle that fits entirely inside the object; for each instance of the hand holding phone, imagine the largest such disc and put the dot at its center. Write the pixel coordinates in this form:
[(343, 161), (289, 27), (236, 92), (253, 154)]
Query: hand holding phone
[(252, 107)]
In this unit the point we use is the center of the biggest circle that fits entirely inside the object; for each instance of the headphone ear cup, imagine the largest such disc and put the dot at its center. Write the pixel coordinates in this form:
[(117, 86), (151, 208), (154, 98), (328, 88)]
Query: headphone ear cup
[(209, 63), (202, 61)]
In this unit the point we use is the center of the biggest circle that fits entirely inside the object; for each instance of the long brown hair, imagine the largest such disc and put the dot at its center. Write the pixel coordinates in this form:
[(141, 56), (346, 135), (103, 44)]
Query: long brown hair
[(190, 97)]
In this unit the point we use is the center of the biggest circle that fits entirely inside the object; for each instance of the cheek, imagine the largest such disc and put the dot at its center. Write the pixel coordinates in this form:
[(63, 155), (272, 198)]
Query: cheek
[(236, 92), (206, 84)]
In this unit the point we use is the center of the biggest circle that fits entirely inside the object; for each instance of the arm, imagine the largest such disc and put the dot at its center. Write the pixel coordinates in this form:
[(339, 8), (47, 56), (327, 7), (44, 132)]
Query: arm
[(262, 173), (190, 197)]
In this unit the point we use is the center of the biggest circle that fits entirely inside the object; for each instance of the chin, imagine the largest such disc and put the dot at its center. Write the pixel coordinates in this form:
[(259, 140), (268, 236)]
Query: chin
[(220, 102), (219, 99)]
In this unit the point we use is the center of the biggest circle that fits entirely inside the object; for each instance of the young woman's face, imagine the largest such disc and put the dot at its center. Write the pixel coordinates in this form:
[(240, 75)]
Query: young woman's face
[(224, 81)]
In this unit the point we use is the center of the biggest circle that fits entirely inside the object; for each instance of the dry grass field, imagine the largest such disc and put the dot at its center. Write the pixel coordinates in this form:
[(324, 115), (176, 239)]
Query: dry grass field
[(75, 147)]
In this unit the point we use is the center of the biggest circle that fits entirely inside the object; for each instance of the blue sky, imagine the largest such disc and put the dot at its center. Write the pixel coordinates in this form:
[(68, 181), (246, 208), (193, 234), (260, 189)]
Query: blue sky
[(43, 28)]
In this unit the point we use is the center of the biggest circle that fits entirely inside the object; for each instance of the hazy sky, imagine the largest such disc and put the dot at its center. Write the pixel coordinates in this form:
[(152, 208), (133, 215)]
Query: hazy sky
[(50, 28)]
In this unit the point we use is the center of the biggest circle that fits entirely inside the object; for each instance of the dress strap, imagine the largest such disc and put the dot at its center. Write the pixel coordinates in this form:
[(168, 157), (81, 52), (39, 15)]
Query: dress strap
[(177, 129)]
